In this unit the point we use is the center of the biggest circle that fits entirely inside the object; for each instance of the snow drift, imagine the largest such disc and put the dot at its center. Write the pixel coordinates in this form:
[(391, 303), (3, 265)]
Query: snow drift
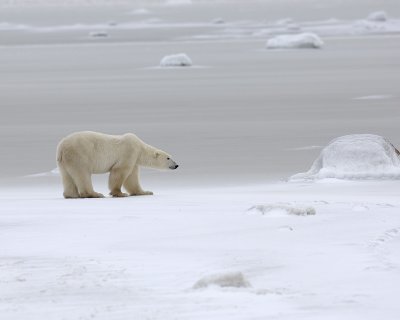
[(292, 41), (53, 173), (358, 156), (233, 280), (279, 209), (176, 60)]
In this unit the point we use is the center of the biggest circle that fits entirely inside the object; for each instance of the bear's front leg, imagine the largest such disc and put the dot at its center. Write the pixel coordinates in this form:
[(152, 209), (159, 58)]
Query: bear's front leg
[(132, 185), (118, 194), (116, 178)]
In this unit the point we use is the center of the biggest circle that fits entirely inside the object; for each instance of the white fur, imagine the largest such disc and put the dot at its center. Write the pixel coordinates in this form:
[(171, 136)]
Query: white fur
[(82, 154)]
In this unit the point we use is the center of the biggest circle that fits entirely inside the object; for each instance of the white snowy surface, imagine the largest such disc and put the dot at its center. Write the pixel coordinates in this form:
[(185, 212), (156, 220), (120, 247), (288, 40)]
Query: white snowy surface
[(368, 26), (176, 60), (295, 41), (140, 257), (216, 29), (51, 173), (358, 156), (324, 28)]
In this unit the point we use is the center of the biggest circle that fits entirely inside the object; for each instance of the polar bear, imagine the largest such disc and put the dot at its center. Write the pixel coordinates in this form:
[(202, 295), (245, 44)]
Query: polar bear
[(82, 154)]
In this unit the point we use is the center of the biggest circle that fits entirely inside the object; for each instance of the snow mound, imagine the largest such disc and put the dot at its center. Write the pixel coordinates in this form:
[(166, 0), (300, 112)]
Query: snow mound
[(176, 60), (377, 16), (231, 280), (291, 41), (279, 209), (358, 156)]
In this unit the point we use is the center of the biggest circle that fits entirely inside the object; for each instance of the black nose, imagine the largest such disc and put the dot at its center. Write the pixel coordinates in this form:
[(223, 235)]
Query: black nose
[(176, 166)]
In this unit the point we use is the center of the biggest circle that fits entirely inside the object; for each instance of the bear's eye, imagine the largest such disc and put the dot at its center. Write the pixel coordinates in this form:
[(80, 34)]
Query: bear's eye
[(167, 158)]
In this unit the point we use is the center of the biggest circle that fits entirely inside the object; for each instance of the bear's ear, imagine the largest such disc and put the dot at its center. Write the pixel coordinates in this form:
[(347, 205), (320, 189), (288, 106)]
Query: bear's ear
[(157, 154)]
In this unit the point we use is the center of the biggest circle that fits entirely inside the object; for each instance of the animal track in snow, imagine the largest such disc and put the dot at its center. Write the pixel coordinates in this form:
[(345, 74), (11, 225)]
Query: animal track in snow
[(382, 252), (386, 236)]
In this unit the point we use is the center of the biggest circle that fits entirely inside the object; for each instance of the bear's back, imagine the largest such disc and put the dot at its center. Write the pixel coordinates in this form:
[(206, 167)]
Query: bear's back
[(98, 151)]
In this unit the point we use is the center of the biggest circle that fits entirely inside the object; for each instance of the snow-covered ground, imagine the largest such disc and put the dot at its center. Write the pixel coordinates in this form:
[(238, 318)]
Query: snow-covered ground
[(225, 236), (211, 20), (151, 257)]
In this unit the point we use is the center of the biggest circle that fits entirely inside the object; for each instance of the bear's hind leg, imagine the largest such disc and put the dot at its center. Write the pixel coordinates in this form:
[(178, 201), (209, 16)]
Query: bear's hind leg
[(70, 189), (115, 181), (132, 184), (83, 182)]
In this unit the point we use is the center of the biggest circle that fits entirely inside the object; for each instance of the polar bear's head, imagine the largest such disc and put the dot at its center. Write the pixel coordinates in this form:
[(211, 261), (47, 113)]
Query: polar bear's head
[(163, 160)]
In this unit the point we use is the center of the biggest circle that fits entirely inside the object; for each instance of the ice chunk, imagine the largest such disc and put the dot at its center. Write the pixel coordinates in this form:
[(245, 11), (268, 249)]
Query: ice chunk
[(140, 11), (177, 2), (279, 209), (176, 60), (218, 21), (98, 34), (377, 16), (358, 156), (302, 40), (232, 279)]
